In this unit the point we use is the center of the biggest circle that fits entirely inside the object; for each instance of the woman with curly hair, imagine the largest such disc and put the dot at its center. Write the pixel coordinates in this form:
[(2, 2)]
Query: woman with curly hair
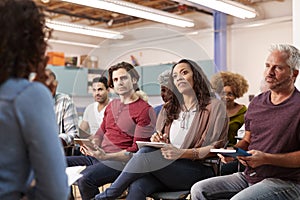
[(30, 146), (191, 123), (230, 86)]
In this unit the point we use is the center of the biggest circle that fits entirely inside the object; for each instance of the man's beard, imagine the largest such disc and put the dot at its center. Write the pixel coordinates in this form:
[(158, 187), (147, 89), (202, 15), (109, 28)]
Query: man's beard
[(102, 100), (282, 84)]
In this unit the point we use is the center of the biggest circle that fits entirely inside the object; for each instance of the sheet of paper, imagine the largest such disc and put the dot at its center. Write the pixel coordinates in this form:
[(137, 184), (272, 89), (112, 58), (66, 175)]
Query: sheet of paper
[(73, 173)]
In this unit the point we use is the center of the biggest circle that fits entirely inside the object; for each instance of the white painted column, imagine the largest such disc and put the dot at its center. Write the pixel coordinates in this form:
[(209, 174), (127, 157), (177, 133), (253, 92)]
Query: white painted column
[(296, 31)]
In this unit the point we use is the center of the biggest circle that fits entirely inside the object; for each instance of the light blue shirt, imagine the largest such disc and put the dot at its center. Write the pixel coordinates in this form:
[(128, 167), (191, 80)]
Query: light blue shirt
[(29, 142)]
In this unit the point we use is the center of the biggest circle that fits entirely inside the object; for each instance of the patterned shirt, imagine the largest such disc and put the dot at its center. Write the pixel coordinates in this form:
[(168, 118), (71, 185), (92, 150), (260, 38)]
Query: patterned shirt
[(66, 117)]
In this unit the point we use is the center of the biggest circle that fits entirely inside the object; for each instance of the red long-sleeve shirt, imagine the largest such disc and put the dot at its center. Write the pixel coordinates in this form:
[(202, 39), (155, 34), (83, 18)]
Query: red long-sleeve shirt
[(124, 124)]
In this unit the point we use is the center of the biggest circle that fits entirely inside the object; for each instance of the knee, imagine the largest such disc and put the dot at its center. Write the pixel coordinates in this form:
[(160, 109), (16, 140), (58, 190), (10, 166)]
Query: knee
[(82, 182), (197, 191), (85, 182)]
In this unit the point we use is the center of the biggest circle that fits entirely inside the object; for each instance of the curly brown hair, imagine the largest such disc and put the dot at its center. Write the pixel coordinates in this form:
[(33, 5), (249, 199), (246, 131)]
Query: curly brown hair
[(237, 82), (23, 39), (202, 89)]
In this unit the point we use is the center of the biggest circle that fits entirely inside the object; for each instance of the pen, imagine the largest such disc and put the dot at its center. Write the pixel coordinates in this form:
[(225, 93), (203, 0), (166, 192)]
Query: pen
[(226, 144)]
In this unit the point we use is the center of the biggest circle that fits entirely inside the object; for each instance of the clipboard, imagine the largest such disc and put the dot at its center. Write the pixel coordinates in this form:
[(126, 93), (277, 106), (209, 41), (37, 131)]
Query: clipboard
[(150, 144), (231, 152)]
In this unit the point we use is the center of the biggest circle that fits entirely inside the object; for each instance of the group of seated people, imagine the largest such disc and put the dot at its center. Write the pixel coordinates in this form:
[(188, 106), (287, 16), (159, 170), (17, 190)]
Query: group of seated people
[(193, 120)]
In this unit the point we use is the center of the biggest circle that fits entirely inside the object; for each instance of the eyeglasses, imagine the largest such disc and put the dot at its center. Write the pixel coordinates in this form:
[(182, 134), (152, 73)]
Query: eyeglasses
[(228, 94)]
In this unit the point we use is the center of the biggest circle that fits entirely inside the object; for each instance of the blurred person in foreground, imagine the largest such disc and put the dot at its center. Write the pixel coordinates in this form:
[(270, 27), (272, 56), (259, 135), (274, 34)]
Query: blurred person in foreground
[(272, 125), (31, 149), (191, 123)]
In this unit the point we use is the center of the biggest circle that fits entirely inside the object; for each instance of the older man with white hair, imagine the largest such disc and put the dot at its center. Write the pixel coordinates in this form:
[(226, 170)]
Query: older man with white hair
[(272, 125)]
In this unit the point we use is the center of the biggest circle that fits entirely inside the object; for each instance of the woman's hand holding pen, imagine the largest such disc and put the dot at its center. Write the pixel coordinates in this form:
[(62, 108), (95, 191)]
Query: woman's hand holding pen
[(159, 137)]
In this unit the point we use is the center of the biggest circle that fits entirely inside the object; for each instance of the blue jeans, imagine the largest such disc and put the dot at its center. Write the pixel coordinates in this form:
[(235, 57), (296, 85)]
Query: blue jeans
[(148, 172), (96, 174), (236, 187)]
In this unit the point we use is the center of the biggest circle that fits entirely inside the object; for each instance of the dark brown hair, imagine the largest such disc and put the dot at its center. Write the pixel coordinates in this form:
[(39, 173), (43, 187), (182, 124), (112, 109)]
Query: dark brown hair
[(202, 89), (22, 43), (129, 68)]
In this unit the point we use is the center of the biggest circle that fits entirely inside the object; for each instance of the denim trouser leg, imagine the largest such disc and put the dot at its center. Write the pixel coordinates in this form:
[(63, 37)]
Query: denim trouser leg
[(270, 189), (96, 174), (81, 160), (172, 175), (179, 175), (221, 187), (139, 165), (144, 187)]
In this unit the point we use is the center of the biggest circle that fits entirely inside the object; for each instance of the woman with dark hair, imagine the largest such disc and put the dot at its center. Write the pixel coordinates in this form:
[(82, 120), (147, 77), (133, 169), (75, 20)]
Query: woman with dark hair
[(190, 124), (30, 145)]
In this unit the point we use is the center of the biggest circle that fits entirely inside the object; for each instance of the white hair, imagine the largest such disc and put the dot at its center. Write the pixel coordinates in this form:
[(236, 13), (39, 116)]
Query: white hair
[(294, 55), (163, 78)]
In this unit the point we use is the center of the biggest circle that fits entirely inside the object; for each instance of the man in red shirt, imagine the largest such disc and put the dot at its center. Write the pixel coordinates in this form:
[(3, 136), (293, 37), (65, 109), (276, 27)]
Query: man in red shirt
[(126, 120)]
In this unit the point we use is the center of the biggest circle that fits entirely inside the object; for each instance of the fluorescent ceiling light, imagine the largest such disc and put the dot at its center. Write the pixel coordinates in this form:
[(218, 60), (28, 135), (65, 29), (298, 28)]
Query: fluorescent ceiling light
[(228, 7), (73, 43), (84, 30), (136, 10)]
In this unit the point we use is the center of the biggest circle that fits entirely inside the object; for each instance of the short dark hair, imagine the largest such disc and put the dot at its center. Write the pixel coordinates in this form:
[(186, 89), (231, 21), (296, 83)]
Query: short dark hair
[(101, 79), (129, 68), (23, 39), (51, 73)]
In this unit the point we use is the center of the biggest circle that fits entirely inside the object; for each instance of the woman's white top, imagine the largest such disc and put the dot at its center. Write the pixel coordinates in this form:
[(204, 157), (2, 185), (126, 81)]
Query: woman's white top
[(180, 127)]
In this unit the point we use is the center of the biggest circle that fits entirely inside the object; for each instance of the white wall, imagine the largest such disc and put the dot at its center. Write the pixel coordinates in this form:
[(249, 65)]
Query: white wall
[(154, 45)]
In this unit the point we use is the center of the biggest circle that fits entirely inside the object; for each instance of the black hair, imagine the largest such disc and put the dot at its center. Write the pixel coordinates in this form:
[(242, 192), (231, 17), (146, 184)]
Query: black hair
[(101, 79)]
